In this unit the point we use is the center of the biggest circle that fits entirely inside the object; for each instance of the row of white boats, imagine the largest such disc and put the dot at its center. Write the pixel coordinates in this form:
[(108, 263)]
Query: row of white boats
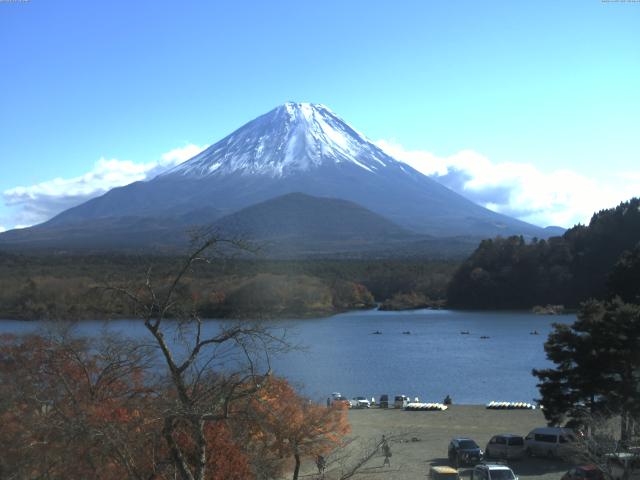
[(420, 406), (510, 406)]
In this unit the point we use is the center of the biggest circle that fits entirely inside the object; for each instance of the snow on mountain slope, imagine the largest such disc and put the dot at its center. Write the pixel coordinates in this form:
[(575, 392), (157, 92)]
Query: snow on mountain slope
[(298, 147), (292, 137)]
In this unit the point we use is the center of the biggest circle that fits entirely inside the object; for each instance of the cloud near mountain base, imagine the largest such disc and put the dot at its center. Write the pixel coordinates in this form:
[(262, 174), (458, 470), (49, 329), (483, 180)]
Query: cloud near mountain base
[(40, 202), (561, 197)]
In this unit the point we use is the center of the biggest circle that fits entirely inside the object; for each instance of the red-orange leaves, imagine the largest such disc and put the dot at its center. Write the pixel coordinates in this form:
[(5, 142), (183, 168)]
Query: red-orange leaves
[(292, 426), (73, 410), (70, 412)]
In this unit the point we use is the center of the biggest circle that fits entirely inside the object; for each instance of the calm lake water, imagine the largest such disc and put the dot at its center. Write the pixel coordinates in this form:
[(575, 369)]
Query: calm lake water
[(341, 353)]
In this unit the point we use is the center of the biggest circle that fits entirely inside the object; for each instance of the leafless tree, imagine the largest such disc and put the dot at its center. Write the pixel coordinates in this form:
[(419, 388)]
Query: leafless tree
[(212, 367), (600, 440)]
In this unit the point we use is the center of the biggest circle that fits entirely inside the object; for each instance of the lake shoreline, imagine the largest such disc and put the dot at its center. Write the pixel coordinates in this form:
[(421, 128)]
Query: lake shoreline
[(417, 353), (309, 315), (297, 316)]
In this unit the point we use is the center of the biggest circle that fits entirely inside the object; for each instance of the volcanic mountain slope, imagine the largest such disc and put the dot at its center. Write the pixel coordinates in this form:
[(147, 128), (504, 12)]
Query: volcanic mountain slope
[(301, 147), (301, 216), (297, 147), (303, 224), (294, 225)]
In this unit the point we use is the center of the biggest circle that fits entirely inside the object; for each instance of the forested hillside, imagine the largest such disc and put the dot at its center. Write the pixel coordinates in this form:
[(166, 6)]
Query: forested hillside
[(73, 286), (583, 263)]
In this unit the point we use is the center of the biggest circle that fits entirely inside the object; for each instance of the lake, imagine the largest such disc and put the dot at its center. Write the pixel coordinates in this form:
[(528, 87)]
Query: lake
[(342, 354)]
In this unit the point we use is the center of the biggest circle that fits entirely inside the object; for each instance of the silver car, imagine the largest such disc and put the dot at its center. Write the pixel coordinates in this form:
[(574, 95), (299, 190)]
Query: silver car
[(506, 446), (490, 471), (360, 402), (550, 441)]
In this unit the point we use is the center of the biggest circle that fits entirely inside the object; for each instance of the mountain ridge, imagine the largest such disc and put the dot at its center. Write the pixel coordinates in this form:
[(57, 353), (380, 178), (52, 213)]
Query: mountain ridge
[(296, 147), (291, 226)]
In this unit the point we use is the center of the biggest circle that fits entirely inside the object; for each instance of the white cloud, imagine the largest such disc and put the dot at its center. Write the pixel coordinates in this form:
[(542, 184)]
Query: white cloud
[(181, 154), (40, 202), (2, 229), (174, 157), (561, 197)]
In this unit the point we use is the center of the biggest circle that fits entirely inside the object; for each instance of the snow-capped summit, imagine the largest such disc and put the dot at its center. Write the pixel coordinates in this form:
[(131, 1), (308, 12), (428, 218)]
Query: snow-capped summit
[(289, 138), (296, 147)]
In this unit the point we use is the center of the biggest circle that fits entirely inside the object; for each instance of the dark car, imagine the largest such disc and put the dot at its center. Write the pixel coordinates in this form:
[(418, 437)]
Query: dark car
[(584, 472), (464, 451)]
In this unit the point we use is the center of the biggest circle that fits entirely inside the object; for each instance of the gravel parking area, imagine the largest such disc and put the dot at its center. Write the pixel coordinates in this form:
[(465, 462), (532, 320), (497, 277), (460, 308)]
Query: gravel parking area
[(420, 439)]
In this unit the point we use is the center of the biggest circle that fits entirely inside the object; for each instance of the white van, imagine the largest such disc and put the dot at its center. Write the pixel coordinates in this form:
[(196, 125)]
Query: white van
[(550, 442), (505, 446), (401, 401)]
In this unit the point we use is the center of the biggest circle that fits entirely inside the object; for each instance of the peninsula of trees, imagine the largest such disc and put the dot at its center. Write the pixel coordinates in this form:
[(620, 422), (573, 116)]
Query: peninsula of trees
[(600, 260)]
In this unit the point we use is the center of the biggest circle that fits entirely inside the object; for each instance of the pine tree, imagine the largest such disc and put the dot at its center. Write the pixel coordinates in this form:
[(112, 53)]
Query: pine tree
[(597, 365)]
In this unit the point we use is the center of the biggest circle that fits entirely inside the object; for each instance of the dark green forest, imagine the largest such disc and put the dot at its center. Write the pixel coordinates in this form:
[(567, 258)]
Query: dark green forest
[(588, 261), (595, 261)]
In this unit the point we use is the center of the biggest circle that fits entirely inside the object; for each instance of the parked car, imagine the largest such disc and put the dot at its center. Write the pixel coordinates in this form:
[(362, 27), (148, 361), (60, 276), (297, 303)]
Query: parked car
[(384, 401), (505, 445), (400, 401), (443, 473), (360, 402), (550, 441), (463, 451), (492, 471), (584, 472), (341, 402)]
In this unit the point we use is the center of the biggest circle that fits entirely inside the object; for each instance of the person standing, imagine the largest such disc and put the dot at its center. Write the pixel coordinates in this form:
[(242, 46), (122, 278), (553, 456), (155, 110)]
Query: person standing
[(386, 451), (321, 463)]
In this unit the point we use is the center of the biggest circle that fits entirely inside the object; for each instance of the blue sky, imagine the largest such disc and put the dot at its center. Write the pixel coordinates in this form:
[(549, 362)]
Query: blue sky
[(534, 102)]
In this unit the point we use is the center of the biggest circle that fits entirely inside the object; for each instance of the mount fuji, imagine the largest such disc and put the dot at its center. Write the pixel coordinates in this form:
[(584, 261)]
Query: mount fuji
[(295, 148)]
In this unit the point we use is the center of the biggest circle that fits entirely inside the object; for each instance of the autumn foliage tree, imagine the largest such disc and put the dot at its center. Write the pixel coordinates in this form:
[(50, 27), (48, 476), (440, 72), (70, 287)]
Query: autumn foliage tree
[(75, 409), (194, 401), (70, 412), (290, 427)]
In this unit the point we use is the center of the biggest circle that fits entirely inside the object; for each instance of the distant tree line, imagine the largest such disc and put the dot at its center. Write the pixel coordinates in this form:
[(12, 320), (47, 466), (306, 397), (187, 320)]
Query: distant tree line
[(50, 286)]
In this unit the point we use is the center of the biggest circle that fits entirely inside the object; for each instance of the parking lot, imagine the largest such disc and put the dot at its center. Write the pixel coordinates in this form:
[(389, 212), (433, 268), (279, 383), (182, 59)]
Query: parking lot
[(420, 439)]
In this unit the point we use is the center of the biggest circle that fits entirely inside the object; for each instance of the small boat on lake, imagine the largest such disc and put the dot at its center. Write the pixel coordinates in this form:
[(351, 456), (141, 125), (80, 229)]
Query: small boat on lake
[(464, 332), (377, 332), (535, 332), (484, 337)]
